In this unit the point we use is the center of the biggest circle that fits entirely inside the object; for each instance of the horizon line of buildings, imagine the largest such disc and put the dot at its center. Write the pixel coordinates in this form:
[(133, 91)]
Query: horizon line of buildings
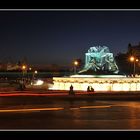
[(15, 66)]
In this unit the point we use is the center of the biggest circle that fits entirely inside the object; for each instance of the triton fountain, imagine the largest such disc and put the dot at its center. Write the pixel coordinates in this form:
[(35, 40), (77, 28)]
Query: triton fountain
[(101, 72)]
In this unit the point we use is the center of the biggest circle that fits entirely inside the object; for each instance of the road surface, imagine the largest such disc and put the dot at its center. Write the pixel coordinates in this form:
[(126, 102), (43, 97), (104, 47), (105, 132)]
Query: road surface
[(43, 113)]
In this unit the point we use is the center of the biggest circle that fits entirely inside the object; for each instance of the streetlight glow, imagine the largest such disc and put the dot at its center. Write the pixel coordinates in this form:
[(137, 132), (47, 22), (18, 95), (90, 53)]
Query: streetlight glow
[(35, 72), (23, 67), (132, 58), (75, 63)]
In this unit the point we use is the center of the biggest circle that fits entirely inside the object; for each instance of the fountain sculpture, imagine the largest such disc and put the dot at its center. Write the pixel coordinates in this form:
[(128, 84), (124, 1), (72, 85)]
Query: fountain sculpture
[(100, 72), (99, 59)]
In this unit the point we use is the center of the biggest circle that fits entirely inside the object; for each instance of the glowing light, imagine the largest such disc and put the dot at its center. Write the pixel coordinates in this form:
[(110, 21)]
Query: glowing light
[(75, 63), (126, 86), (99, 58), (81, 76), (30, 68), (133, 86), (23, 67), (98, 83), (38, 83), (98, 76), (86, 107), (117, 87), (132, 58), (36, 72), (32, 109)]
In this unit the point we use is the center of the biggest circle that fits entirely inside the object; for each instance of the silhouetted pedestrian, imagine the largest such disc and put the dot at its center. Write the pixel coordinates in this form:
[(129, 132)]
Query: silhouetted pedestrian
[(71, 92), (88, 89), (92, 89)]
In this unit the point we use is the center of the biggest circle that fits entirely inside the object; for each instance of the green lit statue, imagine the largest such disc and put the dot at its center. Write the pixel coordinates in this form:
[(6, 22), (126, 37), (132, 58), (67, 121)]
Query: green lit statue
[(100, 59)]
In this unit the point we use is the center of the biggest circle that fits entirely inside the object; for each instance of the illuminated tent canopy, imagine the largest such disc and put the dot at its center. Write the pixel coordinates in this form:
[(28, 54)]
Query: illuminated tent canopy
[(99, 60)]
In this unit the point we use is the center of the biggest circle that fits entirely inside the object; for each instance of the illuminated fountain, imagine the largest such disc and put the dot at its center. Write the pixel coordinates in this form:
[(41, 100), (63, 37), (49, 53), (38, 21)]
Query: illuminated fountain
[(100, 72), (99, 60)]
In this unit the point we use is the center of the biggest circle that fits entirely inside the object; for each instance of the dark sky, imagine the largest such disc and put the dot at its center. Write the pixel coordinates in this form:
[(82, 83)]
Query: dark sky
[(58, 37)]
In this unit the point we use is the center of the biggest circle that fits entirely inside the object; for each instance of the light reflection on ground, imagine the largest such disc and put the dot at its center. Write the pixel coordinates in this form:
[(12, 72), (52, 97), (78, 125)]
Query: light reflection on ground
[(70, 115)]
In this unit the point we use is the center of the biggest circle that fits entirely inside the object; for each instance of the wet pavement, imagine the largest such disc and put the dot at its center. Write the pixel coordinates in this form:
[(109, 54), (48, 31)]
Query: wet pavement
[(48, 114)]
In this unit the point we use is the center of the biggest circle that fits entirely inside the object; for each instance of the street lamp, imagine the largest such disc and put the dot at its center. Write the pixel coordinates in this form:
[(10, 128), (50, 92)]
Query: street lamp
[(23, 70), (23, 67), (134, 60), (35, 72), (29, 74), (75, 66)]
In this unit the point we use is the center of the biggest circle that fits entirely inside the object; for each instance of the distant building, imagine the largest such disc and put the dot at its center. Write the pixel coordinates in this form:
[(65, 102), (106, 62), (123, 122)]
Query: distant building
[(123, 60), (134, 50), (11, 66)]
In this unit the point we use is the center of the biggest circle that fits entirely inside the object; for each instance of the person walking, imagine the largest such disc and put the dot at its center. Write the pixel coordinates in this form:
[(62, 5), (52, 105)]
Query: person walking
[(71, 92)]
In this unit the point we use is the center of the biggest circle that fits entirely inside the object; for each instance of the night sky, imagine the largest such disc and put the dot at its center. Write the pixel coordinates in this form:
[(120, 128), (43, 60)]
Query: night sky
[(59, 37)]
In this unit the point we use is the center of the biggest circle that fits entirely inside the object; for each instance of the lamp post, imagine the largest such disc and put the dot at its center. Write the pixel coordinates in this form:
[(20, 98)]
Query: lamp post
[(24, 68), (23, 71), (29, 74), (35, 72), (75, 66), (134, 60)]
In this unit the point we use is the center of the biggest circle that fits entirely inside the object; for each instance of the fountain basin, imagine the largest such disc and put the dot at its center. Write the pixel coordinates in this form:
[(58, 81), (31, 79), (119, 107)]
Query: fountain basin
[(98, 82)]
